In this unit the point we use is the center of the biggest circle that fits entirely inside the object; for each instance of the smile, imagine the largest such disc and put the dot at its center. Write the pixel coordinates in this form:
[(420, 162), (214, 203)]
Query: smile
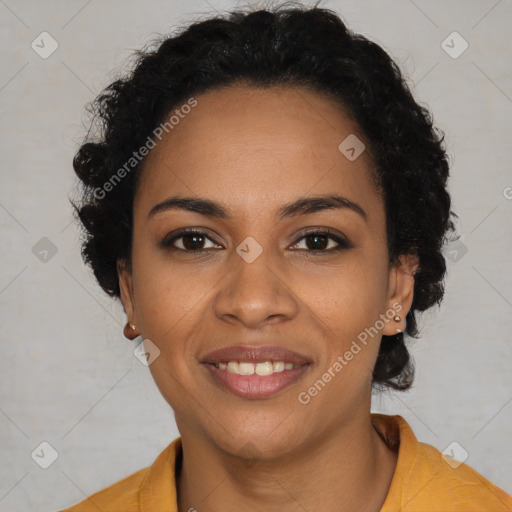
[(255, 380), (248, 368)]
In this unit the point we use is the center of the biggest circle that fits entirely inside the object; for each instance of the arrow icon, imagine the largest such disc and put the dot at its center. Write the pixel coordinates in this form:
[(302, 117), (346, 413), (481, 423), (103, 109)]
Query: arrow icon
[(44, 250), (454, 455), (454, 45), (249, 249), (146, 352), (44, 45), (351, 147), (44, 455)]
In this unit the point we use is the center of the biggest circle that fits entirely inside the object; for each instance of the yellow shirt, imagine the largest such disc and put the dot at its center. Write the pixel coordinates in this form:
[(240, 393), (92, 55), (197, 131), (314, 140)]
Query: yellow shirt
[(422, 482)]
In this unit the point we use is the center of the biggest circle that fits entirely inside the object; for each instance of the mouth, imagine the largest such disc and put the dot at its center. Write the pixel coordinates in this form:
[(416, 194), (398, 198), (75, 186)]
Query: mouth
[(255, 354), (255, 372), (263, 368)]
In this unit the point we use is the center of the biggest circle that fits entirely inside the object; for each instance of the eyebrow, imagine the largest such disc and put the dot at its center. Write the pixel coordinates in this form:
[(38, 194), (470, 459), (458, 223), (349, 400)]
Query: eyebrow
[(302, 206)]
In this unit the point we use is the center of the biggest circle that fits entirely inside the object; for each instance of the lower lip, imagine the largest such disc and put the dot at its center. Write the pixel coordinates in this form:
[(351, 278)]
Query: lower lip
[(256, 386)]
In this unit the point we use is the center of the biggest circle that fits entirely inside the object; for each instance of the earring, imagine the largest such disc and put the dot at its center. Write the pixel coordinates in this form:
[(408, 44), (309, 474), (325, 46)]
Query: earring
[(397, 319), (129, 331)]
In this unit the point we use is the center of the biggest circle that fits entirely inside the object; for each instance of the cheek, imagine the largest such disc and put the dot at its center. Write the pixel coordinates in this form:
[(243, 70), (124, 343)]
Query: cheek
[(169, 308), (349, 309), (349, 303), (168, 294), (349, 296)]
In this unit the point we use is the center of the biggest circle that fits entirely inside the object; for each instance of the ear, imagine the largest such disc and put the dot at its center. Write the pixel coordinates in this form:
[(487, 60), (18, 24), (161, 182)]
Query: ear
[(401, 292), (127, 297)]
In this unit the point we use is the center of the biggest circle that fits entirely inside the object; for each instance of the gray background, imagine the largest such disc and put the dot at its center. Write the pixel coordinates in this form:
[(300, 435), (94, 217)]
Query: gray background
[(69, 377)]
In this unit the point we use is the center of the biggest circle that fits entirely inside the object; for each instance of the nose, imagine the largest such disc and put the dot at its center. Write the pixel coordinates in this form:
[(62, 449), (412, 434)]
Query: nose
[(256, 293)]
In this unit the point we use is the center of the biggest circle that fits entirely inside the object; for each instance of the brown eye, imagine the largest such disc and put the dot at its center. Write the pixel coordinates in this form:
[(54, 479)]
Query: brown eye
[(189, 240), (318, 241)]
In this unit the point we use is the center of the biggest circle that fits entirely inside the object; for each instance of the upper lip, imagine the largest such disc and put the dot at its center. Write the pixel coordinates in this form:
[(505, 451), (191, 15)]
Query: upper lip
[(256, 354)]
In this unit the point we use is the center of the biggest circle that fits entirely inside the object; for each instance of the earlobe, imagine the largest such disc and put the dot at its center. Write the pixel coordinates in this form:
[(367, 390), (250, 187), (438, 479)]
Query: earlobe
[(401, 290), (126, 289)]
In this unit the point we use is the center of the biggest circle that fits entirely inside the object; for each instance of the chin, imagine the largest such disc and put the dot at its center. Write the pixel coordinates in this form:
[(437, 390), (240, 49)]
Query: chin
[(252, 442)]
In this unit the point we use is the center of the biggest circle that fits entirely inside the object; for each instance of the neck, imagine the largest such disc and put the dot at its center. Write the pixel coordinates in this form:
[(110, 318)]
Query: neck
[(347, 469)]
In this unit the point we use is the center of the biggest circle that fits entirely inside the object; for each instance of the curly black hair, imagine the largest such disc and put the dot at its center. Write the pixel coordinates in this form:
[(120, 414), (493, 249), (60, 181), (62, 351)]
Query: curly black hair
[(292, 46)]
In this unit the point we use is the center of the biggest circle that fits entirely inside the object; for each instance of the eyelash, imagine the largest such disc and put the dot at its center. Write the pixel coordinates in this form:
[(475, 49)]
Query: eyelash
[(342, 242)]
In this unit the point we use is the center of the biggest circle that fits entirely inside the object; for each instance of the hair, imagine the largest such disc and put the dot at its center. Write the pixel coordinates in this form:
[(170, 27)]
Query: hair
[(291, 46)]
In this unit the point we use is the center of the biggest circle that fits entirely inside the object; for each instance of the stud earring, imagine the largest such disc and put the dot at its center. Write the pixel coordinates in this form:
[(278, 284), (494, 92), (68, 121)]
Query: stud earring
[(397, 319), (129, 331)]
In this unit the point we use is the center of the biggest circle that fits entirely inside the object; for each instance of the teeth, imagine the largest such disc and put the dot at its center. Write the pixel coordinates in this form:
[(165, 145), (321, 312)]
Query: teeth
[(245, 368), (233, 366), (278, 366), (265, 368)]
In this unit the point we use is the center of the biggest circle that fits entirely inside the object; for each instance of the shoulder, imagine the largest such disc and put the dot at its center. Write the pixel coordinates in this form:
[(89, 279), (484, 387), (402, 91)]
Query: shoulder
[(121, 495), (457, 483), (426, 480), (151, 489)]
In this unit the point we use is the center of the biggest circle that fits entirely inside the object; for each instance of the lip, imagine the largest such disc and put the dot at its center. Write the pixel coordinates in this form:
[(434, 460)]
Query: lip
[(255, 354), (256, 386)]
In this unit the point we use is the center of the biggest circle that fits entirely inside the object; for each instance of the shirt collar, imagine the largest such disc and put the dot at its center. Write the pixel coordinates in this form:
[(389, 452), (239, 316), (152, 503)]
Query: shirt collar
[(158, 488), (398, 435)]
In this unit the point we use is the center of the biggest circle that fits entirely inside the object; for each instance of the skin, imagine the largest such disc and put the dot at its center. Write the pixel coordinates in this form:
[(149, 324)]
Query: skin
[(253, 150)]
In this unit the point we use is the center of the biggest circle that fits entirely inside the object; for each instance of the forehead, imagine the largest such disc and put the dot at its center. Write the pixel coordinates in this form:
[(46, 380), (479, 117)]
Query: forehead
[(254, 148)]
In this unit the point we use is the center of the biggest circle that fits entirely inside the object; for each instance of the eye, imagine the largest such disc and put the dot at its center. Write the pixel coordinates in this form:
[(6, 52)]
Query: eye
[(318, 242), (193, 241), (189, 240)]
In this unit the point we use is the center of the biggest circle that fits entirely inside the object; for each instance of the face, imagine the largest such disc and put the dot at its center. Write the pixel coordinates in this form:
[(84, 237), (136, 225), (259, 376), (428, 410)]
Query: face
[(310, 280)]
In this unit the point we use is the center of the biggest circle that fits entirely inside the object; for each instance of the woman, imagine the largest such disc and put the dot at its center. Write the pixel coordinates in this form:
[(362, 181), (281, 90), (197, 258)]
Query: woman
[(269, 202)]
